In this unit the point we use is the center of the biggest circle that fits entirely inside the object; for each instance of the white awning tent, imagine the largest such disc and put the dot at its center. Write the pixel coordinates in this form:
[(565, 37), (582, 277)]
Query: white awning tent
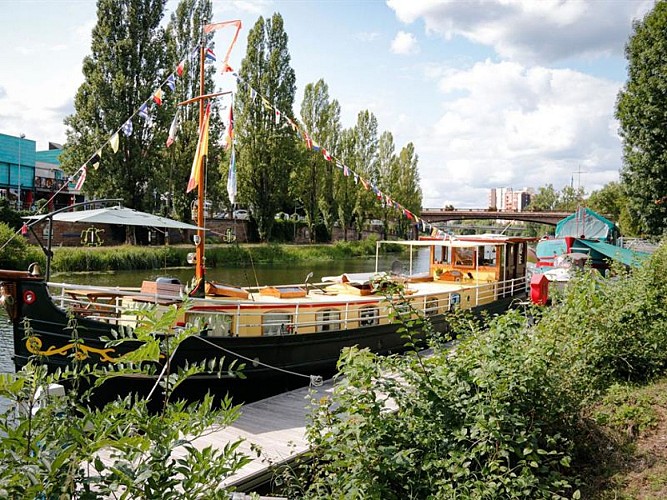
[(116, 215)]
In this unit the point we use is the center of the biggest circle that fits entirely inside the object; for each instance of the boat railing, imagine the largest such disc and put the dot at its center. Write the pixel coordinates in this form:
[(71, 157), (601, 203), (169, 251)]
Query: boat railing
[(107, 303)]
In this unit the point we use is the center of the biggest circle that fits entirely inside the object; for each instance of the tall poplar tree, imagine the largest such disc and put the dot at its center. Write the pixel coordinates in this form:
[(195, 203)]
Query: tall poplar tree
[(344, 188), (314, 179), (641, 112), (386, 182), (266, 147), (366, 158), (124, 69), (407, 186)]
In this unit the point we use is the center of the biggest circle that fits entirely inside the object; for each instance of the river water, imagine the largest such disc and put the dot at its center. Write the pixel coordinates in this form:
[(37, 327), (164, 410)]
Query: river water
[(259, 274)]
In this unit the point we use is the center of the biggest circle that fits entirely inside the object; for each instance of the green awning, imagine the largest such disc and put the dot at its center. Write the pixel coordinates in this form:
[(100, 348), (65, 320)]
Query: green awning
[(626, 256)]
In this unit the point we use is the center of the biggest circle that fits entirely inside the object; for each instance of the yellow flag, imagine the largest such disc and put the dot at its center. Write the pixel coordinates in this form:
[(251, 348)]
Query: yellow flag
[(202, 151), (114, 142)]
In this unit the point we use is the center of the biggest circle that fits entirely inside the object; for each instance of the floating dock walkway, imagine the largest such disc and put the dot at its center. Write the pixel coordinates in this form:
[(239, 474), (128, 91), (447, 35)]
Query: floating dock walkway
[(277, 426)]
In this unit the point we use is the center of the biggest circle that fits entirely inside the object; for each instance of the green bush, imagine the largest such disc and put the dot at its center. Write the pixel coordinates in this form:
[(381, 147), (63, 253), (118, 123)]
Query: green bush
[(488, 420), (16, 253), (503, 414)]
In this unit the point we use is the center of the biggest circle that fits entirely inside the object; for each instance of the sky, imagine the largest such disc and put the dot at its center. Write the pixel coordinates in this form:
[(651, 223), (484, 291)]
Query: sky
[(492, 93)]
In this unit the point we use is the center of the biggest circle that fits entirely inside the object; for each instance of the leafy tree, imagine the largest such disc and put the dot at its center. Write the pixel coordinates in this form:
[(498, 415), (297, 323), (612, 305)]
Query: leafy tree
[(344, 188), (570, 198), (314, 179), (366, 165), (611, 201), (546, 198), (124, 69), (388, 180), (640, 111), (266, 147), (408, 189)]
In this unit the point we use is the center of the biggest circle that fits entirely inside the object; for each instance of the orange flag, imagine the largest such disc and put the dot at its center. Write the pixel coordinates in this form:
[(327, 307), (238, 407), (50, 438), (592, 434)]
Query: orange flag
[(202, 151)]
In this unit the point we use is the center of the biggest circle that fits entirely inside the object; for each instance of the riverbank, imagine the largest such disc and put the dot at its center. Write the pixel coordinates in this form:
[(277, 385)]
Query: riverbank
[(634, 419), (128, 257)]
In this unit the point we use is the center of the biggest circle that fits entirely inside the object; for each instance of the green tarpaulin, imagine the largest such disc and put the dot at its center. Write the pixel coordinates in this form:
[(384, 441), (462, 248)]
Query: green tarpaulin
[(624, 255)]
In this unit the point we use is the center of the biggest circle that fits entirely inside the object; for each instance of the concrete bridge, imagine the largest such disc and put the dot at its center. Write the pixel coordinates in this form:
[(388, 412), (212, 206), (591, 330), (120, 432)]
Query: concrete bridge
[(442, 215)]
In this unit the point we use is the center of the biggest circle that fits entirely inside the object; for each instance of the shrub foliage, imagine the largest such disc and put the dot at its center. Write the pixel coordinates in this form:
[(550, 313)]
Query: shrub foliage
[(498, 414)]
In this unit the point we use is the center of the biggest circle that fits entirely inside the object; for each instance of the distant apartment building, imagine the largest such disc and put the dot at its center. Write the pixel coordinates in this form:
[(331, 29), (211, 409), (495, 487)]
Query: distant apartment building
[(28, 175), (509, 200)]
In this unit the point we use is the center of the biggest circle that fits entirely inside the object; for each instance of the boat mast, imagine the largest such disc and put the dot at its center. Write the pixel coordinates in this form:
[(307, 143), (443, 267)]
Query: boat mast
[(200, 269)]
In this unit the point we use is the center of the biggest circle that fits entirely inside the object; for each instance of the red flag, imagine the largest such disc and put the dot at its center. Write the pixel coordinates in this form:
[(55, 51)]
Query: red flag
[(180, 68), (309, 141), (157, 97)]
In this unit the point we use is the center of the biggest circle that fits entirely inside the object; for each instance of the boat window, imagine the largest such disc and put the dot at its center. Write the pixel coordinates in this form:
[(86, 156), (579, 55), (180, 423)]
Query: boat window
[(328, 320), (487, 256), (465, 257), (277, 323), (441, 255), (369, 316), (431, 306)]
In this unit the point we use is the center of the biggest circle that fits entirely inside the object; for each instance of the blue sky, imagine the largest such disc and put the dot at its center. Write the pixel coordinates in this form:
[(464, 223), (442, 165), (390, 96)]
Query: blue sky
[(493, 93)]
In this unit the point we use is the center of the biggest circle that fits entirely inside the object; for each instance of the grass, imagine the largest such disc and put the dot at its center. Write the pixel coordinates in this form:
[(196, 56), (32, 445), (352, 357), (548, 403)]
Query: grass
[(632, 450)]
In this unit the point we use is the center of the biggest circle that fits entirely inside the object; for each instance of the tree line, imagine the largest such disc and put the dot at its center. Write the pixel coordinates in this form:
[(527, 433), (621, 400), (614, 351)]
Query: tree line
[(131, 53)]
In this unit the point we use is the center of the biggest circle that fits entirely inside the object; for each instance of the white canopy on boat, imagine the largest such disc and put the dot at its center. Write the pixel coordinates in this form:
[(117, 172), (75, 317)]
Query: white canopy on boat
[(116, 215)]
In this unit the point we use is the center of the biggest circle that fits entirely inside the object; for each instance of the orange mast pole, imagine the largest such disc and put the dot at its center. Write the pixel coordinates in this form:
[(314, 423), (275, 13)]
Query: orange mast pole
[(200, 270)]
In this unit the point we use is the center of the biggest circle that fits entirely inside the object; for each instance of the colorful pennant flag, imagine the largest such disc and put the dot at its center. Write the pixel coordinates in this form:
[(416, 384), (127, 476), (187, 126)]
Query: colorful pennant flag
[(173, 130), (95, 160), (143, 111), (114, 142), (171, 82), (81, 179), (201, 153), (346, 171), (309, 141), (180, 68), (267, 104), (210, 55), (326, 155), (127, 127), (157, 97)]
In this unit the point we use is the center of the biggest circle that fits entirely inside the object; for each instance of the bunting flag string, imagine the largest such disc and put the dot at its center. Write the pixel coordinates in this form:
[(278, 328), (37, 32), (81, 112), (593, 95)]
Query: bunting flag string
[(347, 172), (127, 127)]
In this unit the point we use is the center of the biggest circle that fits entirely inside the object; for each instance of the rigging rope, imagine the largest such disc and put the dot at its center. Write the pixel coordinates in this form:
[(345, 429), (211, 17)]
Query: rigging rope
[(315, 380)]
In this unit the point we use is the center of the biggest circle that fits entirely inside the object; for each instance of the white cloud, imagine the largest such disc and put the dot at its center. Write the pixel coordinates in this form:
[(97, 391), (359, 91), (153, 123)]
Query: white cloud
[(367, 36), (504, 124), (404, 43), (529, 31)]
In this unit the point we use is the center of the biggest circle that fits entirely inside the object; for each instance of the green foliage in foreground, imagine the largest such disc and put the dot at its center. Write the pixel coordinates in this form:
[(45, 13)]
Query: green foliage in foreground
[(67, 449), (499, 415)]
